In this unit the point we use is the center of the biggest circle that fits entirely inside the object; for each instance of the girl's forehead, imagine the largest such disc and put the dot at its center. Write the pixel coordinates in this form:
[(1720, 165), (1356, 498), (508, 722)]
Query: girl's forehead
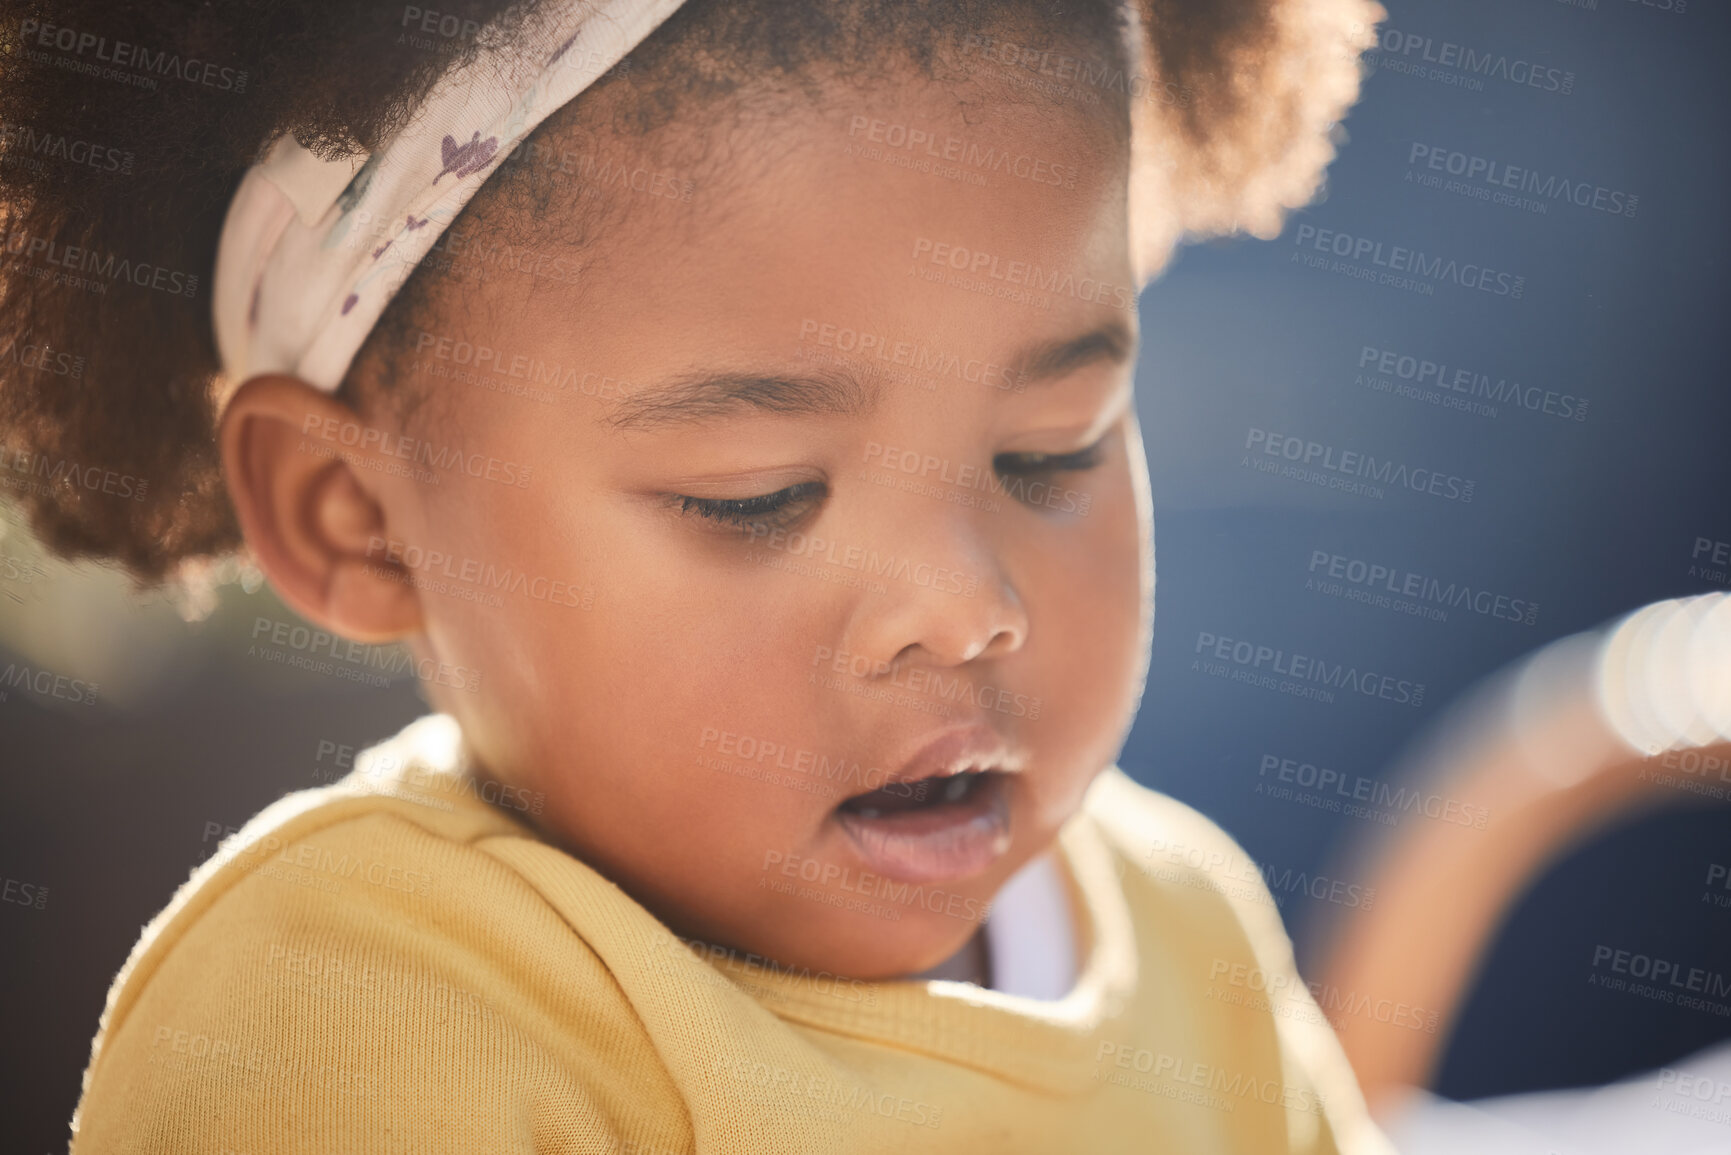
[(847, 233), (914, 245), (908, 177)]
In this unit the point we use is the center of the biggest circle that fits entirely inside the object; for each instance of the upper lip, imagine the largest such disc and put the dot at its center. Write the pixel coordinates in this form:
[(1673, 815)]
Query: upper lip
[(957, 750)]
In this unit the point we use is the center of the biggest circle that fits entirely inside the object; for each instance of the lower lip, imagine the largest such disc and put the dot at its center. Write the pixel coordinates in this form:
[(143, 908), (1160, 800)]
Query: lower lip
[(942, 844)]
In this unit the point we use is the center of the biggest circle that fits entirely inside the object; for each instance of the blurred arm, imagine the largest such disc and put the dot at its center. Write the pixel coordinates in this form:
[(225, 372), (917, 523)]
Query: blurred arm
[(1558, 749)]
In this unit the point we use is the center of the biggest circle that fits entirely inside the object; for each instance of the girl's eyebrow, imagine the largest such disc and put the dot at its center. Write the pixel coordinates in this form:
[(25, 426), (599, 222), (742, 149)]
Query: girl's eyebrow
[(706, 397), (1112, 342)]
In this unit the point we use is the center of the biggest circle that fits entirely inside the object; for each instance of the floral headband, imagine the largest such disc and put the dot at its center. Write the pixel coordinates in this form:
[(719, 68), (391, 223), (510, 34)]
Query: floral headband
[(312, 250)]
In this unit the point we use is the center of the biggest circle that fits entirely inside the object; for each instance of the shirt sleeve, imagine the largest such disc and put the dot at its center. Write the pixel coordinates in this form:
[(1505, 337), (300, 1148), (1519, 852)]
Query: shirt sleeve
[(1207, 908), (365, 988)]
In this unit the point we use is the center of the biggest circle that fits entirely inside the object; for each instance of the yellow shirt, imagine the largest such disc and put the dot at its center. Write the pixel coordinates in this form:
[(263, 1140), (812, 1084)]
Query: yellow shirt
[(396, 964)]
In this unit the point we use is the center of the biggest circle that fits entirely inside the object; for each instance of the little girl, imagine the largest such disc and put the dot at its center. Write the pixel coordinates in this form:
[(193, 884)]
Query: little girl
[(729, 404)]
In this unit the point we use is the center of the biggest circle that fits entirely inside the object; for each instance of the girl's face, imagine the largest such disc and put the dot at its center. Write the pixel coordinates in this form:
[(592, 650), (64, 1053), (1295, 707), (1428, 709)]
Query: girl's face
[(841, 492)]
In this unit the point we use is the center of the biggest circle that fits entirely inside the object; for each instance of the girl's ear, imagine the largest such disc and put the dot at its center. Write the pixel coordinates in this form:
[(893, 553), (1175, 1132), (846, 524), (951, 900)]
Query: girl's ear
[(317, 532)]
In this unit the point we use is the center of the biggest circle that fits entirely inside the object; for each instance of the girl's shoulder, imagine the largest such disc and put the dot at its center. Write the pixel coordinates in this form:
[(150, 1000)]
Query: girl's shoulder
[(1146, 825), (1209, 933), (367, 947), (1179, 869)]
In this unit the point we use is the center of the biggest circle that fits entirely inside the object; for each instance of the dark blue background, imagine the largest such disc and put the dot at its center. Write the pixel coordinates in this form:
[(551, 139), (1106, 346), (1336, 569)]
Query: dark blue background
[(1589, 518)]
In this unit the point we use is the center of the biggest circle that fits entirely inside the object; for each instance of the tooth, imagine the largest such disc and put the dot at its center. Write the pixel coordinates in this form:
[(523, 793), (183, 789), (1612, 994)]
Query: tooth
[(868, 812), (955, 788)]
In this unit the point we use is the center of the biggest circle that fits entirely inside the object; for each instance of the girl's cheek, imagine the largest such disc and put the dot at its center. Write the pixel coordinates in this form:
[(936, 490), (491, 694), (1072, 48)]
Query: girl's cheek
[(1124, 572), (1091, 593), (1118, 530)]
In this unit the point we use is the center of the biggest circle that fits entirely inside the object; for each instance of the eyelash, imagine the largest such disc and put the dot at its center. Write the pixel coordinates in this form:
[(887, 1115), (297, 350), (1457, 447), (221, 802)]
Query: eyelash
[(785, 505), (771, 509), (1032, 464)]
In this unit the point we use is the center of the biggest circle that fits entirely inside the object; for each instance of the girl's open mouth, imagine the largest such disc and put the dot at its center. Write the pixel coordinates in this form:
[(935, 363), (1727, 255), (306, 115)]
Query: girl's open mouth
[(941, 828)]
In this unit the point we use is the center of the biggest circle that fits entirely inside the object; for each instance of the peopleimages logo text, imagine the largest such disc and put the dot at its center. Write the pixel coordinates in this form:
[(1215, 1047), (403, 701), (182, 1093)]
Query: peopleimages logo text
[(1415, 47), (1452, 379), (1430, 591), (1305, 669), (1415, 262), (123, 54), (978, 263), (1500, 175), (1314, 455)]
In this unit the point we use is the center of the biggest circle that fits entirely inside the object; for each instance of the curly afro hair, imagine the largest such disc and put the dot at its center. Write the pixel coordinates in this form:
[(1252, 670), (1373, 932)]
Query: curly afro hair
[(125, 128)]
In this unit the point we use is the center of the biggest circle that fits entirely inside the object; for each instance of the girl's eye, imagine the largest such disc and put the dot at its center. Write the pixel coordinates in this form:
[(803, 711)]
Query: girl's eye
[(1035, 464), (773, 510)]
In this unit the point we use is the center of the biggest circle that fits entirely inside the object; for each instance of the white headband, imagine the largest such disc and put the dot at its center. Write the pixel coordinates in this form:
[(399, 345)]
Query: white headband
[(313, 250)]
